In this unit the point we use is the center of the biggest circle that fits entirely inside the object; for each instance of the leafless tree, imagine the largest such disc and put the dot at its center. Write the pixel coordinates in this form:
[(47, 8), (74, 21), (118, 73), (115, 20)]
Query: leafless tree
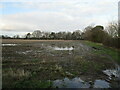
[(112, 29), (37, 34)]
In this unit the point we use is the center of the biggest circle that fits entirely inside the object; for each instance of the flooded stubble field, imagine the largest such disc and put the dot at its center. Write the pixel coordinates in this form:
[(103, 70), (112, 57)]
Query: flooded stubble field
[(58, 64)]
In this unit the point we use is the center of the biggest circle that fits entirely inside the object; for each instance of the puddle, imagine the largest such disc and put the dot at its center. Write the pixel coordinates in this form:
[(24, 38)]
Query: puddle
[(73, 83), (29, 51), (63, 48), (9, 44), (101, 84), (114, 72), (25, 52), (79, 83)]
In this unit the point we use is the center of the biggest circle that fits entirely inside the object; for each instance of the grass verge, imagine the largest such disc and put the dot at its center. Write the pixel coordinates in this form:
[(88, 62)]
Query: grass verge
[(101, 49)]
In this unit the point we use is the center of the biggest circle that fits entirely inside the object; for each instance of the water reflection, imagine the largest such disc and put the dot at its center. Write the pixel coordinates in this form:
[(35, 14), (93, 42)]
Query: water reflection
[(101, 84), (79, 83), (63, 48), (9, 44), (113, 72), (24, 52), (73, 83)]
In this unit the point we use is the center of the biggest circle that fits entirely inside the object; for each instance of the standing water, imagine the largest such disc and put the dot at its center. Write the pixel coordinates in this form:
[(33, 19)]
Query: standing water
[(61, 48), (114, 72), (9, 44), (79, 83)]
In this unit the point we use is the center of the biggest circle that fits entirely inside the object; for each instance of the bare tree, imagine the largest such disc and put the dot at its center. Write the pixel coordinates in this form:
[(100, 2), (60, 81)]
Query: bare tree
[(112, 29), (46, 34), (37, 34), (76, 35), (16, 36)]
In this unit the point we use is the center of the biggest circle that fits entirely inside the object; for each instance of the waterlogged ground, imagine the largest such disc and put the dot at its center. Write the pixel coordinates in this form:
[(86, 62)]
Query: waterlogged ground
[(59, 64)]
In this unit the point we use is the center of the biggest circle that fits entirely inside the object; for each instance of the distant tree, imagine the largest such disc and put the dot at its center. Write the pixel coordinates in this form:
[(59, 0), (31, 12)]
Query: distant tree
[(75, 35), (112, 29), (64, 35), (78, 34), (98, 34), (2, 36), (82, 36), (46, 35), (16, 36), (52, 35), (59, 35), (87, 33), (37, 34), (28, 36), (68, 35), (6, 37), (95, 34)]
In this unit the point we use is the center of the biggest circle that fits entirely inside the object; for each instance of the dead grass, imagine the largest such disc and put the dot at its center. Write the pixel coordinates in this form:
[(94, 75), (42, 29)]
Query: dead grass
[(17, 73)]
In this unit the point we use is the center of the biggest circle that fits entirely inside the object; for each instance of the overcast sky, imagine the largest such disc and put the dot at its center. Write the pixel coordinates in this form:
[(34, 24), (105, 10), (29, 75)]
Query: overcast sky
[(23, 16)]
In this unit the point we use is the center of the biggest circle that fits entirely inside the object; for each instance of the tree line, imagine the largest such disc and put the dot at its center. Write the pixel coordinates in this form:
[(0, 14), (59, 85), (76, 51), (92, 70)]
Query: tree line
[(76, 35), (109, 36)]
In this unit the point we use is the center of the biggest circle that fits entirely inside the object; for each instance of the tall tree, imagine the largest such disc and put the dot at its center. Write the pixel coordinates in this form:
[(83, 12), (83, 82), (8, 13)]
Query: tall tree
[(87, 33), (28, 35), (37, 34), (97, 34), (112, 29)]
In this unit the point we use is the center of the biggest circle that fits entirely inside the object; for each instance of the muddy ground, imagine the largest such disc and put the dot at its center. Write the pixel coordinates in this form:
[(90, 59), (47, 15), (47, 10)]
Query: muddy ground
[(43, 60)]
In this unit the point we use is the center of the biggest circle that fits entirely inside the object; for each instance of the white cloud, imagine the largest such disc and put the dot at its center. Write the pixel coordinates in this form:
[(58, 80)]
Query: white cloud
[(59, 16), (30, 21)]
